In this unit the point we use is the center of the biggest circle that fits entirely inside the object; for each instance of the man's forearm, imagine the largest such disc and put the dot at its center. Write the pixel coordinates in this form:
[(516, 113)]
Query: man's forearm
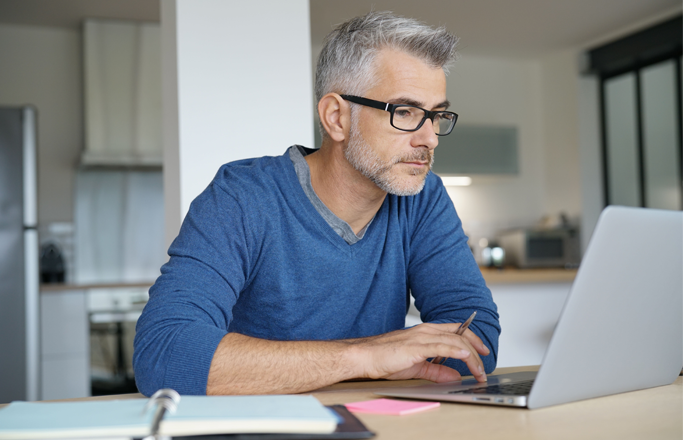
[(246, 365)]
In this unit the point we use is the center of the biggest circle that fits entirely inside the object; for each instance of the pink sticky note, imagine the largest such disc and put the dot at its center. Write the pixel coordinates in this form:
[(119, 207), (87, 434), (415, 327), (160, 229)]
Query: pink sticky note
[(388, 406)]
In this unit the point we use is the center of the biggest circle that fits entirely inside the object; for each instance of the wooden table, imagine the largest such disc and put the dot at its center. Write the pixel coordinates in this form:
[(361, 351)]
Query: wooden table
[(512, 275), (656, 413)]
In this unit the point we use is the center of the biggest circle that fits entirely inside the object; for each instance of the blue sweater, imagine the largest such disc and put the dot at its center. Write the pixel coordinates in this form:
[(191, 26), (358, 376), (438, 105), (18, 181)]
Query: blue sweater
[(253, 256)]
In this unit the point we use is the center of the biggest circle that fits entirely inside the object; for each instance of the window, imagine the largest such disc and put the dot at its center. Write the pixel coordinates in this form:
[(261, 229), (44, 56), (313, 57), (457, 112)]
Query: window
[(640, 100)]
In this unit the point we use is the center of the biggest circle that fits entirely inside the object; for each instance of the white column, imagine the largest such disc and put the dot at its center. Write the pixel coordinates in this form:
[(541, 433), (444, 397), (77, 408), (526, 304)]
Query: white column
[(236, 84)]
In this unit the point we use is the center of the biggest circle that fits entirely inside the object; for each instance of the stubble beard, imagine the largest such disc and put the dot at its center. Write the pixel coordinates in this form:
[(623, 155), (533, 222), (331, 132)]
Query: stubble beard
[(361, 157)]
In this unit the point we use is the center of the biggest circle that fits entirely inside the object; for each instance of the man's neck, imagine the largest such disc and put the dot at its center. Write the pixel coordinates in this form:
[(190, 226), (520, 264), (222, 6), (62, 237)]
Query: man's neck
[(347, 193)]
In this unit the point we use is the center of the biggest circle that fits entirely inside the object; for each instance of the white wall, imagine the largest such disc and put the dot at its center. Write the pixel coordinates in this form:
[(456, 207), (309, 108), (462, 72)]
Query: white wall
[(498, 91), (541, 98), (237, 84), (42, 66), (560, 113)]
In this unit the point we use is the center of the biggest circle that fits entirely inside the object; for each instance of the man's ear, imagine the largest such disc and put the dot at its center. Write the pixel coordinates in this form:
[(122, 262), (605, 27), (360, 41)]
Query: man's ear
[(335, 116)]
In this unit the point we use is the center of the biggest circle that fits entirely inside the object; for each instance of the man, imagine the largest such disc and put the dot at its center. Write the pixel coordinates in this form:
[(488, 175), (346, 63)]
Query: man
[(293, 272)]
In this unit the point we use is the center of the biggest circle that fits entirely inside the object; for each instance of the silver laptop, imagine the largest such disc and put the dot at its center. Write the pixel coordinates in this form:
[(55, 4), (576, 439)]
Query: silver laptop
[(621, 328)]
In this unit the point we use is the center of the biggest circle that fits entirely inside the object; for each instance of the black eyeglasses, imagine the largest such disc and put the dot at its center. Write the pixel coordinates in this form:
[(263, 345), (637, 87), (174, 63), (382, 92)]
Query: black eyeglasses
[(408, 117)]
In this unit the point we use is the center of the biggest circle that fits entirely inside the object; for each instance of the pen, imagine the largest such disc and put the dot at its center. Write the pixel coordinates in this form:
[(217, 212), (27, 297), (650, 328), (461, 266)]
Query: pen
[(439, 360)]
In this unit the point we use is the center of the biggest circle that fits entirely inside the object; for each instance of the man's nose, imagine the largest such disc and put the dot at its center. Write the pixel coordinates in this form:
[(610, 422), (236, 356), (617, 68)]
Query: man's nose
[(425, 136)]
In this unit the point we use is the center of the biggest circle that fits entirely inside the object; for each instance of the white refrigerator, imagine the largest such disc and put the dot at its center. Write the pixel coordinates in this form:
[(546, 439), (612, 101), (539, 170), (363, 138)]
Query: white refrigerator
[(19, 248)]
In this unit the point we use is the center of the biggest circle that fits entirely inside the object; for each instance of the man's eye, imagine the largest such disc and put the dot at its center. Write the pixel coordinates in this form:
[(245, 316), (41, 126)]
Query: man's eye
[(404, 112)]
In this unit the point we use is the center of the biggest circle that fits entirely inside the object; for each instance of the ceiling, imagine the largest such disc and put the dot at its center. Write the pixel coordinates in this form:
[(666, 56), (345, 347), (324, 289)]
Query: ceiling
[(70, 13), (516, 28)]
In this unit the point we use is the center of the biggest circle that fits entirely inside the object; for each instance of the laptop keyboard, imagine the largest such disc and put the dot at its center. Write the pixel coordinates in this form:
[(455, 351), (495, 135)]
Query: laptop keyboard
[(509, 389)]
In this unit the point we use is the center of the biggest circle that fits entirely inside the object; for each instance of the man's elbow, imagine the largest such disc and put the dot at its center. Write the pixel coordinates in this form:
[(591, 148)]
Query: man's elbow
[(146, 376)]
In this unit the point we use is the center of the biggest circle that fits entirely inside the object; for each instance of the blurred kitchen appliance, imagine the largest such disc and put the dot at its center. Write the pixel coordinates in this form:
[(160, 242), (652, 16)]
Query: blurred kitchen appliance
[(51, 264), (493, 255), (529, 248), (19, 270)]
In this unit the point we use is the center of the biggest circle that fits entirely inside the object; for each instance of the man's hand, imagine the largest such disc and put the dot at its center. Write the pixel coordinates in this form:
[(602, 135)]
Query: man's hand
[(402, 354)]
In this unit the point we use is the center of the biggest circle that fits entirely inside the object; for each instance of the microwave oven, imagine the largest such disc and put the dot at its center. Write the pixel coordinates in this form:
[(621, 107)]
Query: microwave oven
[(532, 248)]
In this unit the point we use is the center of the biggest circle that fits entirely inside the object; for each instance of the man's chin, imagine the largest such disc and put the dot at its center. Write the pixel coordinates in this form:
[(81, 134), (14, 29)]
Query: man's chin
[(408, 186)]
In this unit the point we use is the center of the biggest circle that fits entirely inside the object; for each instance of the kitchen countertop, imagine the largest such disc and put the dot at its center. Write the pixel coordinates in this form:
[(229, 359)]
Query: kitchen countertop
[(513, 275), (58, 287), (507, 275)]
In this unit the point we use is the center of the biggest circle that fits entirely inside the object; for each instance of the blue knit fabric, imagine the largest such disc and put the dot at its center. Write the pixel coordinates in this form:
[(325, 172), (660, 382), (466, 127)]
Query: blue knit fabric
[(254, 256)]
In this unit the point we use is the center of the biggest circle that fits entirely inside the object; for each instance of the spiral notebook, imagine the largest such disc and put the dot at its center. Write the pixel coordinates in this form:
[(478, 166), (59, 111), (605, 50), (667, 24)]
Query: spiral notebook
[(194, 415)]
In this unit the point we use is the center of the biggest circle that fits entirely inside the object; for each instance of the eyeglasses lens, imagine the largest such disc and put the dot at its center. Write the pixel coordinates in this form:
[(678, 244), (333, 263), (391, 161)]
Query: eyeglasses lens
[(443, 123), (409, 118)]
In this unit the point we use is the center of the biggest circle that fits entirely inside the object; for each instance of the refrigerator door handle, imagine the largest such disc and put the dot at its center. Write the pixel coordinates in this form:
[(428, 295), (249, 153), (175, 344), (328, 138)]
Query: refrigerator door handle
[(31, 255)]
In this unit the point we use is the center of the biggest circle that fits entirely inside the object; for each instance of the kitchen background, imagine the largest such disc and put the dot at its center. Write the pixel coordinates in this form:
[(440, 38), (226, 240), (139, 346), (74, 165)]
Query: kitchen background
[(93, 69)]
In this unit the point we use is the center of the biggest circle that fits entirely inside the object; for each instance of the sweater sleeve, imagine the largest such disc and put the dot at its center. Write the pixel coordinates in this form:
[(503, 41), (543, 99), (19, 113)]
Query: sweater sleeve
[(190, 305), (443, 276)]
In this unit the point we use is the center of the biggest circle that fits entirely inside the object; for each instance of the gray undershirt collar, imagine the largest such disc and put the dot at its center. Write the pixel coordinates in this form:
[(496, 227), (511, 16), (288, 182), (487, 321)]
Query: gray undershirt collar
[(303, 173)]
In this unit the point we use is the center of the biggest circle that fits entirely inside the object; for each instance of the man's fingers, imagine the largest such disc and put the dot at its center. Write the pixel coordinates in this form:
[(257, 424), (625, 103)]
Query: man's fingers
[(458, 348), (477, 343), (474, 363), (403, 353), (461, 348)]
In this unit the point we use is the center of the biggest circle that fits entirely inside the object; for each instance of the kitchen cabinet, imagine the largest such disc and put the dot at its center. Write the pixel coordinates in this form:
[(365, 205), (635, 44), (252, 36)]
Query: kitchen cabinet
[(66, 315), (528, 315), (65, 344), (529, 304), (122, 61), (478, 149)]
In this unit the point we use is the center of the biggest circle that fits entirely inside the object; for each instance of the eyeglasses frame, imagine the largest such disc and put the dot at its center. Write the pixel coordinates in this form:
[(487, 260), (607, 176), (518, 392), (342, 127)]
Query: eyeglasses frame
[(429, 114)]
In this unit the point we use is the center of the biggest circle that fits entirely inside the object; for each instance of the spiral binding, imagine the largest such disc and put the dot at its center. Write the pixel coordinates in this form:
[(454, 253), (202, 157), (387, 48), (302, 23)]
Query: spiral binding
[(165, 399)]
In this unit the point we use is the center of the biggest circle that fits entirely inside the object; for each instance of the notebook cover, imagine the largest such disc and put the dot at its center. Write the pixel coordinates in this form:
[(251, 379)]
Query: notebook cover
[(349, 428), (74, 419), (195, 414)]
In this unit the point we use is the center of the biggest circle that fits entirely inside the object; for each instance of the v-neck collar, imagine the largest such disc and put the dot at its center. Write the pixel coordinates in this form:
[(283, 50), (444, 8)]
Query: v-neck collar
[(309, 208), (303, 172)]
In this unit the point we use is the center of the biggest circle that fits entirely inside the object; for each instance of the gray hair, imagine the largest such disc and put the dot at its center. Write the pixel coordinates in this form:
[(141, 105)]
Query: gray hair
[(347, 59)]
